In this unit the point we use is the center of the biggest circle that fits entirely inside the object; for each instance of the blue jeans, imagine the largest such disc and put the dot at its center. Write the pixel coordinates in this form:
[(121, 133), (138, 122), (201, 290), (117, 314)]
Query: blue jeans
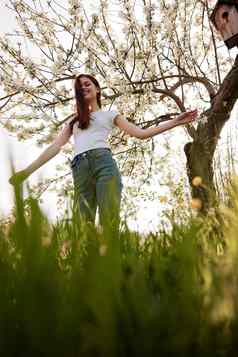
[(97, 183)]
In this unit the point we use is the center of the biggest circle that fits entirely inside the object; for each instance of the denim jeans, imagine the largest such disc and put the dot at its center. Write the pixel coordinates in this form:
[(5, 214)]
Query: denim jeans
[(97, 183)]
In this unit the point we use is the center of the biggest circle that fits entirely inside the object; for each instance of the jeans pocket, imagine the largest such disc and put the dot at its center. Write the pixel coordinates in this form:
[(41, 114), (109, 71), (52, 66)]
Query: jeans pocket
[(81, 172), (75, 162)]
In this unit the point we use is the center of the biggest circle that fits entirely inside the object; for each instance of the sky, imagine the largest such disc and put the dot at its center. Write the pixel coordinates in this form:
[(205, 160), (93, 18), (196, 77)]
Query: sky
[(7, 18)]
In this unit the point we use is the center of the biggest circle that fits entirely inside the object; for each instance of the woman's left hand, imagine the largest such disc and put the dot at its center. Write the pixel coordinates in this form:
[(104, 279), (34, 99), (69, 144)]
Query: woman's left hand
[(18, 177), (187, 117)]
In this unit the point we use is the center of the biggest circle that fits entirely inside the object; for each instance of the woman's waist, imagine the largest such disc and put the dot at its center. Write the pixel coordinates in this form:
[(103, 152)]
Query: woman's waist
[(90, 143), (91, 154)]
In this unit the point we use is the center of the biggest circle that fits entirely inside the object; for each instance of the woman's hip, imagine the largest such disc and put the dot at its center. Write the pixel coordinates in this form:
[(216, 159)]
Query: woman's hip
[(97, 164)]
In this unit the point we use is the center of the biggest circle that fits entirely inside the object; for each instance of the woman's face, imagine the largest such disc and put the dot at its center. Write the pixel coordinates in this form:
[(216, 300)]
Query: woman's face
[(89, 90)]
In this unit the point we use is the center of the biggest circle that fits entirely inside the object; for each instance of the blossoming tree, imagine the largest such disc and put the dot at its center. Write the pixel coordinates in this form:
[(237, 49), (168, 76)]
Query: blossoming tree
[(154, 59)]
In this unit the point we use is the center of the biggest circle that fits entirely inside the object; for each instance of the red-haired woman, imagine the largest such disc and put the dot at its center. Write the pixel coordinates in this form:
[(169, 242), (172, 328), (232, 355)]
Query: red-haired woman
[(97, 180)]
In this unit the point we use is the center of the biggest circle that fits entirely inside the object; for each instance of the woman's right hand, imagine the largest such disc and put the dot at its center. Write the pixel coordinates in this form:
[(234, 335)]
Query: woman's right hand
[(18, 177), (186, 117)]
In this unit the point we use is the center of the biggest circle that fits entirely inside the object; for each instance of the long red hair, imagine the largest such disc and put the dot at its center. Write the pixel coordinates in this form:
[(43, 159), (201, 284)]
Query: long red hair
[(82, 109)]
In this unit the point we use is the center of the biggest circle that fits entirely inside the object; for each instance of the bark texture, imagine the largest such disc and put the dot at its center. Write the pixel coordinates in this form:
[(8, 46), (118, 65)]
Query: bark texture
[(200, 151)]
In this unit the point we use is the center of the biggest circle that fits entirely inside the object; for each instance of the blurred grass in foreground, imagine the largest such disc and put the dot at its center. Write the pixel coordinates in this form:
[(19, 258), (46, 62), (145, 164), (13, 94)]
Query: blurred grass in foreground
[(69, 290)]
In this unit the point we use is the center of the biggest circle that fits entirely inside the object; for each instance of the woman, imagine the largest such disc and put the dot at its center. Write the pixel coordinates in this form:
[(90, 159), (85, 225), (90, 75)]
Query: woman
[(97, 179)]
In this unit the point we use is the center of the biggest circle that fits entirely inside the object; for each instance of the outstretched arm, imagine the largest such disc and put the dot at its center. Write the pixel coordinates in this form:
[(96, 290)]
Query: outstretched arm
[(140, 133), (45, 156)]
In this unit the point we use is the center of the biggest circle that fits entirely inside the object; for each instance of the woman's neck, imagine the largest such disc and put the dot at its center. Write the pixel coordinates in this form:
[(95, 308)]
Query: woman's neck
[(93, 107)]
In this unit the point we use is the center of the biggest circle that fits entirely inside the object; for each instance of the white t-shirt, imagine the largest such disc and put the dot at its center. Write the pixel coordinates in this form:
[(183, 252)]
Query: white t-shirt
[(96, 135)]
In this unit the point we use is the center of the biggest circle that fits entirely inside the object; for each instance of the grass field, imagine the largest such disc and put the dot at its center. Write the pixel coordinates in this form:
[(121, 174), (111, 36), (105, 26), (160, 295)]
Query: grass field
[(70, 290)]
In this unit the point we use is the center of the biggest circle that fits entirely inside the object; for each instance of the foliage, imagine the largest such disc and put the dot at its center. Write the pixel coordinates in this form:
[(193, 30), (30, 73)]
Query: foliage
[(72, 290)]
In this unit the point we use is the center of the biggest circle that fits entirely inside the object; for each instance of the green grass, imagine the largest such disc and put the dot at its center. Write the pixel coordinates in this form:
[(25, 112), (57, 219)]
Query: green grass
[(69, 290)]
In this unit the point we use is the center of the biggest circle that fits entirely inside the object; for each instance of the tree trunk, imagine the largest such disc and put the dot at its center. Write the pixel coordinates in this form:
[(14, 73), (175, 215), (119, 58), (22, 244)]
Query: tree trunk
[(200, 152)]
